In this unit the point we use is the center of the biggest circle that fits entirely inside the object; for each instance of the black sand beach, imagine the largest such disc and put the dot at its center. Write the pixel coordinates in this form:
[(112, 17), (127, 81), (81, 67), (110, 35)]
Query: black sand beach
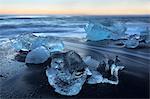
[(133, 80)]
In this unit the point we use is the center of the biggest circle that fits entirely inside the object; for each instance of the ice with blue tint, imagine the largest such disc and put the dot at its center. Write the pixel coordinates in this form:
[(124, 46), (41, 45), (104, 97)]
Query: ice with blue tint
[(97, 31), (145, 35), (53, 44), (23, 41), (67, 73), (118, 27), (37, 55), (97, 77), (65, 83), (92, 63), (29, 42), (131, 42)]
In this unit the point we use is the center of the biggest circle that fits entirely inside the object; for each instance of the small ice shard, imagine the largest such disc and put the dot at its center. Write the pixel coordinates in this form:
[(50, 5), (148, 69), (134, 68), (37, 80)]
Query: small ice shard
[(88, 72), (37, 56), (67, 73), (132, 42), (95, 78), (115, 69)]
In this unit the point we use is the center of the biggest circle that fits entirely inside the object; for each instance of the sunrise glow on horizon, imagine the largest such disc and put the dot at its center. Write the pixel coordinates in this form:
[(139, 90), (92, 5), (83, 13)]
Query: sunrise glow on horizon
[(89, 7)]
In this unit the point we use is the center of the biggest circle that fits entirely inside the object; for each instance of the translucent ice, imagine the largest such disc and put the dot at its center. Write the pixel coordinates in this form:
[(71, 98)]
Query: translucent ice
[(132, 42), (115, 69), (65, 83), (118, 28), (30, 42), (97, 77), (37, 55), (145, 35), (93, 64), (53, 44), (67, 73), (97, 31), (23, 41)]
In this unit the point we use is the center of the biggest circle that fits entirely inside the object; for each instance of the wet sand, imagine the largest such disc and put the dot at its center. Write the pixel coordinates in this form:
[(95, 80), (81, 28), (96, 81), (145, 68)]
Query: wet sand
[(133, 80)]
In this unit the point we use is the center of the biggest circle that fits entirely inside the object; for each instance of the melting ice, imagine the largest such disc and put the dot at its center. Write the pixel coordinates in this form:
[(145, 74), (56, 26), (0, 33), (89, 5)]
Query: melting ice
[(97, 31), (116, 31), (30, 42), (68, 72)]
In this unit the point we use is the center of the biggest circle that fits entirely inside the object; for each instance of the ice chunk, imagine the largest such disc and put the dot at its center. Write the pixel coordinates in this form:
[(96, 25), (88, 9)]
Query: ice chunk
[(115, 69), (118, 28), (74, 62), (145, 35), (132, 42), (92, 63), (67, 73), (30, 42), (64, 83), (53, 44), (88, 72), (97, 31), (23, 41), (95, 78), (37, 56), (98, 76)]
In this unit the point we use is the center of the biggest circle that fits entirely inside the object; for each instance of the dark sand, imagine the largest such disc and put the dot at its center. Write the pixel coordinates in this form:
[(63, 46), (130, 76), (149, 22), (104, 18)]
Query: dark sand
[(133, 80)]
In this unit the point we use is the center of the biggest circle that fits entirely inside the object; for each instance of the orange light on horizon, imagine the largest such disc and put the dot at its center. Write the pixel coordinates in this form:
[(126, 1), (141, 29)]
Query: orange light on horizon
[(74, 11)]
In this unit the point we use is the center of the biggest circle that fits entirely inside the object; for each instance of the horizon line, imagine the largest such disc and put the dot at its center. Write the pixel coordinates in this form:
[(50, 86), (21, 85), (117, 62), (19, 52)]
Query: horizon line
[(82, 14)]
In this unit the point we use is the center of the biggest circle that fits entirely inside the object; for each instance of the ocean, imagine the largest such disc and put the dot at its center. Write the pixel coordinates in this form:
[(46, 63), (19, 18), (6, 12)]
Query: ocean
[(62, 25)]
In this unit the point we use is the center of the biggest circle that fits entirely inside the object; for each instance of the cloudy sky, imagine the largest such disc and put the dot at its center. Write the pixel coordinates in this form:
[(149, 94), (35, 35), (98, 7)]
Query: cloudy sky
[(96, 7)]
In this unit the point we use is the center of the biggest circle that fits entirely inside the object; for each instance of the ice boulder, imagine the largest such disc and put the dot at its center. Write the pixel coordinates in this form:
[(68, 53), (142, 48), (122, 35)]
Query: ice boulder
[(37, 56), (96, 32), (99, 31), (67, 73)]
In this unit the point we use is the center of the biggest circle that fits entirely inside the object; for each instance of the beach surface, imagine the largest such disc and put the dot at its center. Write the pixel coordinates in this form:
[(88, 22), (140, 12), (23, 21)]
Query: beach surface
[(18, 81)]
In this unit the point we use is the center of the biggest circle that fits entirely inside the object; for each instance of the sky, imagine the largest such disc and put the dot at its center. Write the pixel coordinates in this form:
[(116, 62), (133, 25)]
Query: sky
[(89, 7)]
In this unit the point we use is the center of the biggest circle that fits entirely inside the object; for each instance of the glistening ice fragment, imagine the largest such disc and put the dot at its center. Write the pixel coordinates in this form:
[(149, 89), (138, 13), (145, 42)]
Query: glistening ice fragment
[(30, 42)]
